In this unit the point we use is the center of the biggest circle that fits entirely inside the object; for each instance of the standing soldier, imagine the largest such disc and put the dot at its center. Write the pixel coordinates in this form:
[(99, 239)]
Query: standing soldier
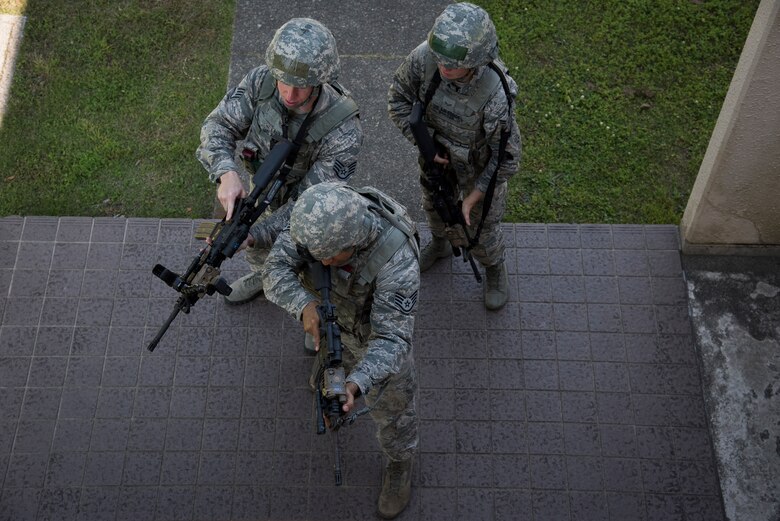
[(467, 95), (369, 244), (295, 89)]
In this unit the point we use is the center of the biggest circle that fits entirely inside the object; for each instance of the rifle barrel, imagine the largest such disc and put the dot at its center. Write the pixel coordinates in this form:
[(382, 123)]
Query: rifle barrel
[(337, 461), (164, 328)]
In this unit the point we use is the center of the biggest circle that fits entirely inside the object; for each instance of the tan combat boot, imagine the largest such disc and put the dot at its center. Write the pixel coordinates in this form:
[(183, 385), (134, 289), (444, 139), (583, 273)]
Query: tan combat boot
[(247, 288), (496, 286), (438, 248), (396, 489)]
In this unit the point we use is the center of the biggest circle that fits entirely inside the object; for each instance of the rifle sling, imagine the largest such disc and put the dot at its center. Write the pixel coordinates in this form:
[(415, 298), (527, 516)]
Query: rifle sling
[(503, 140), (432, 86), (299, 137)]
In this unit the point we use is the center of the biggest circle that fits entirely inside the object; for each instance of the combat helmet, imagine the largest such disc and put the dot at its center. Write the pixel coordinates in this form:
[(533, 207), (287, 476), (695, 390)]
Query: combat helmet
[(329, 218), (463, 36), (303, 53)]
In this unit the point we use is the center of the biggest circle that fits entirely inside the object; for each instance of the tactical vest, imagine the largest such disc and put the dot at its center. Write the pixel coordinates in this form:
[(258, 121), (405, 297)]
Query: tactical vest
[(457, 119), (266, 130), (353, 292)]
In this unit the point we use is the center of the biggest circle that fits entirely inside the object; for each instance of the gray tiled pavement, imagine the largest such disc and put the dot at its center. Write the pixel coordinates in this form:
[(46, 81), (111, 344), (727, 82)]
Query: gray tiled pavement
[(581, 400)]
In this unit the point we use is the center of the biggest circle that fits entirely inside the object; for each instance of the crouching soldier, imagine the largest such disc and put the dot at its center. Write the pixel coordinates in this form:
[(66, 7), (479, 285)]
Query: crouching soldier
[(369, 243)]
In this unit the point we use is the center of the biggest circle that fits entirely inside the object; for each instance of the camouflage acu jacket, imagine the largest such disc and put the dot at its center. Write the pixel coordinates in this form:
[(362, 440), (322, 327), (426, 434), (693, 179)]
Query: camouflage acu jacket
[(469, 133), (376, 318), (252, 112)]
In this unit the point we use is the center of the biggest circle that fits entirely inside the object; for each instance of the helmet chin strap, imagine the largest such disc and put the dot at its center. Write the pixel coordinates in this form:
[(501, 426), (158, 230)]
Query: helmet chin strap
[(466, 78), (314, 92), (312, 95)]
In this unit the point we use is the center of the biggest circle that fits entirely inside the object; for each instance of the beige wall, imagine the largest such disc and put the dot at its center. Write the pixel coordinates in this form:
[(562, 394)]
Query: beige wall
[(735, 202)]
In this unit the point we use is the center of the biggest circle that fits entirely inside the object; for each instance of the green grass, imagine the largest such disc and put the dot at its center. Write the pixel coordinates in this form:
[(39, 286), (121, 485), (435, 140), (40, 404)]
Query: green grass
[(106, 107), (618, 100)]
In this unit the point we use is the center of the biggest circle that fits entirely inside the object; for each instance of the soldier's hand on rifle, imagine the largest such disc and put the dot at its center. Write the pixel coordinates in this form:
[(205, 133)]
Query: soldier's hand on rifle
[(470, 202), (352, 391), (248, 242), (230, 189), (441, 159), (311, 322)]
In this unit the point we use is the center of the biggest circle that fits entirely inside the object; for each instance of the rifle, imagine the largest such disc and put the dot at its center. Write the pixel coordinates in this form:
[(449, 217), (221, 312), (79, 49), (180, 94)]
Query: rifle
[(203, 275), (436, 182), (330, 377)]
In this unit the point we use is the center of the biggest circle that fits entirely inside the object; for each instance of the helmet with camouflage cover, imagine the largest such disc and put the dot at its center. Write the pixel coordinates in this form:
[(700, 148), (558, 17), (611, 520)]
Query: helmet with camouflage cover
[(329, 218), (303, 53), (463, 36)]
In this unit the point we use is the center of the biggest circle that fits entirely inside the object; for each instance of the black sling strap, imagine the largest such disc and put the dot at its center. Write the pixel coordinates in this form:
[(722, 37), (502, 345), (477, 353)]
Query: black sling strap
[(502, 142)]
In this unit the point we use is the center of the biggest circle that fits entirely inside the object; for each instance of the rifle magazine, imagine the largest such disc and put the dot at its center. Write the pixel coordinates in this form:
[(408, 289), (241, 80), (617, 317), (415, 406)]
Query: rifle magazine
[(207, 230)]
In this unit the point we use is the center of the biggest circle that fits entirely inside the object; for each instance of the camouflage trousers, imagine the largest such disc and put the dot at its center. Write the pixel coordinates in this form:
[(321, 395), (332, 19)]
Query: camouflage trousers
[(490, 249), (392, 403), (256, 256)]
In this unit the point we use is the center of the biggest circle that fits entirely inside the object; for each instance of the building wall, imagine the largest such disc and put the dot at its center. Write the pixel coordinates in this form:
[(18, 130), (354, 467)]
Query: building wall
[(735, 202)]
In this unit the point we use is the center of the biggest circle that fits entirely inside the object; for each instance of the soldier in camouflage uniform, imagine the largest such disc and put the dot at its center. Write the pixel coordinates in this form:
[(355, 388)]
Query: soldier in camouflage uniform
[(296, 85), (375, 283), (467, 113)]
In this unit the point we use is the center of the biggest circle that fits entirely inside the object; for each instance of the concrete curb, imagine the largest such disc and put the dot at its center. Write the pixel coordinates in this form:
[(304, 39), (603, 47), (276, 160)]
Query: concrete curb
[(11, 31)]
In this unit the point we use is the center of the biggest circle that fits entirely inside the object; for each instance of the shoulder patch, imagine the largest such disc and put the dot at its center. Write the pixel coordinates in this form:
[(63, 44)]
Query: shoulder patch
[(344, 171), (404, 303), (237, 93)]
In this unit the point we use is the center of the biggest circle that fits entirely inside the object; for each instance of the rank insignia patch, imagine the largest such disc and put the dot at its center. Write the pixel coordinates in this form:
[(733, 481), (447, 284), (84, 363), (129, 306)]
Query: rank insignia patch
[(237, 93), (344, 171), (405, 304)]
